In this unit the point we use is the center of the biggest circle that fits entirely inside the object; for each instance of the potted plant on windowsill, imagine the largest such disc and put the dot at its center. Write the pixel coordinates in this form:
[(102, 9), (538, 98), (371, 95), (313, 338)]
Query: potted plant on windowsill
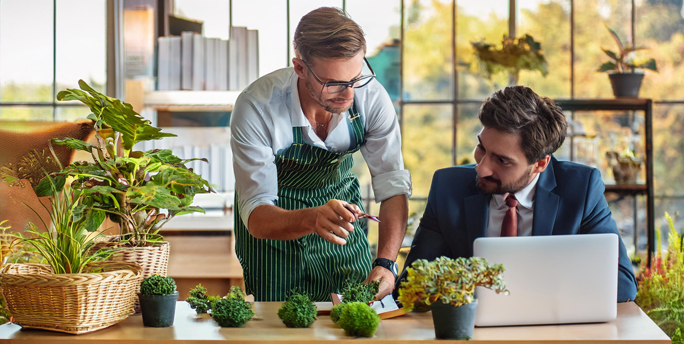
[(626, 69), (447, 286), (141, 191), (514, 55), (158, 296)]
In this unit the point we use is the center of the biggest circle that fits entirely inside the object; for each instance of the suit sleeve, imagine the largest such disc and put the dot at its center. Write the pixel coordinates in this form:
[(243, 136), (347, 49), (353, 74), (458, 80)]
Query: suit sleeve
[(428, 243), (598, 218)]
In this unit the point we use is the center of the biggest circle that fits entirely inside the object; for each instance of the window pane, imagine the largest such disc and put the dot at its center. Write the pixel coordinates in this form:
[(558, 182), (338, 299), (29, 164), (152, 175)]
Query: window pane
[(71, 113), (273, 42), (26, 113), (300, 8), (427, 64), (382, 38), (468, 127), (81, 42), (590, 36), (26, 49), (214, 13), (668, 144), (486, 20), (426, 141), (660, 28), (139, 34), (549, 23)]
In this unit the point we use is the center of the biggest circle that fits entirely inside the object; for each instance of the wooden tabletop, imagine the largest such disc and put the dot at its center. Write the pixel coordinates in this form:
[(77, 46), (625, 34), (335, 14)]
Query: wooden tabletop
[(631, 325)]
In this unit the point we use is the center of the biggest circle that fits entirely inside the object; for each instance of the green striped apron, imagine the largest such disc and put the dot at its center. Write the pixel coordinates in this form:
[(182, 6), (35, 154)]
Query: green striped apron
[(308, 177)]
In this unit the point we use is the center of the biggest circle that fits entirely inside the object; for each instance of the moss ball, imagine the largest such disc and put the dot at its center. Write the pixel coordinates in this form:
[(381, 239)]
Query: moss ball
[(359, 319)]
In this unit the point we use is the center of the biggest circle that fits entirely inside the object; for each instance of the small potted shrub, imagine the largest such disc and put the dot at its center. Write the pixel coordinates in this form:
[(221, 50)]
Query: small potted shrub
[(625, 69), (359, 319), (232, 311), (158, 298), (447, 286), (298, 310)]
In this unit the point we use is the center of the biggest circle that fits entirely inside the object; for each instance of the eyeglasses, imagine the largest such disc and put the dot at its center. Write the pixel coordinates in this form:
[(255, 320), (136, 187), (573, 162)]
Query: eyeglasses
[(337, 87)]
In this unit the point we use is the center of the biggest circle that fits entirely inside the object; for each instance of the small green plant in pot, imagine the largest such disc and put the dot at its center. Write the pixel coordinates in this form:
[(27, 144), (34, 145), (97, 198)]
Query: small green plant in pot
[(447, 286), (158, 298), (625, 69), (514, 55)]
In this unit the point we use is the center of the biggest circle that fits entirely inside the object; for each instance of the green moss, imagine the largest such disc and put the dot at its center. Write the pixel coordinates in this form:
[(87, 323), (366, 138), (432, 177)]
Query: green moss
[(359, 319), (231, 312), (298, 311), (158, 285), (359, 292), (336, 312)]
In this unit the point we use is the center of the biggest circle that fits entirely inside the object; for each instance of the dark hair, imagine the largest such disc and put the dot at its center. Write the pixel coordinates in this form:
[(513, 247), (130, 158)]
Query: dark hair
[(328, 32), (517, 109)]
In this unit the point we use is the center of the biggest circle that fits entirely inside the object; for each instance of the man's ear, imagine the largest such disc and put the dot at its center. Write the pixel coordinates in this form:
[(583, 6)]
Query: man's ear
[(541, 165)]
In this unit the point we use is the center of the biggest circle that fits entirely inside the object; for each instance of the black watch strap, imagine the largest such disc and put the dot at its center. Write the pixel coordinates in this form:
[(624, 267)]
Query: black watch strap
[(387, 264)]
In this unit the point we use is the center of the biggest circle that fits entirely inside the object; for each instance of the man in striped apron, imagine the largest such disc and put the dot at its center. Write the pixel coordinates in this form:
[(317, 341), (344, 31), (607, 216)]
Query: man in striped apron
[(297, 204)]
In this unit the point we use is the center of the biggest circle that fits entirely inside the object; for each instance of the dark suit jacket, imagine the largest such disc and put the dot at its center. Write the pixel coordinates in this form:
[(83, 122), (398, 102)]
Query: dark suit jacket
[(568, 200)]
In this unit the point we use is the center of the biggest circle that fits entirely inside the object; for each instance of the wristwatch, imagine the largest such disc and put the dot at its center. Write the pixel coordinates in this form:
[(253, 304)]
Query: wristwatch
[(387, 264)]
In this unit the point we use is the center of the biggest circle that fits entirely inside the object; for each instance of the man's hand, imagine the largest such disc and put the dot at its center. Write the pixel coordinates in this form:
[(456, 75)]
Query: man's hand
[(333, 220), (386, 279)]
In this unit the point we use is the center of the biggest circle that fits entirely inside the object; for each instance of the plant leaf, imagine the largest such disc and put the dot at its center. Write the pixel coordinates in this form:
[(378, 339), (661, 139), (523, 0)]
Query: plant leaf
[(73, 144), (650, 64), (615, 37), (94, 219), (607, 66), (611, 54)]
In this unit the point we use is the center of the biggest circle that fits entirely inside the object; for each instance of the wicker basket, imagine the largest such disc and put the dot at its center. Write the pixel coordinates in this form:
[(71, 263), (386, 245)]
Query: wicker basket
[(70, 303), (154, 259)]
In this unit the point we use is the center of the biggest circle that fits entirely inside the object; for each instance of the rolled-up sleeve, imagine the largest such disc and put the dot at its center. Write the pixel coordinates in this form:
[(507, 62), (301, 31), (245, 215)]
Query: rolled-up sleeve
[(256, 178), (382, 150)]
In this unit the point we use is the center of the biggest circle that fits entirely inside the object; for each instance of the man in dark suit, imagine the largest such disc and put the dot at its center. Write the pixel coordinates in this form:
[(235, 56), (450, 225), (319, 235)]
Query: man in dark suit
[(516, 188)]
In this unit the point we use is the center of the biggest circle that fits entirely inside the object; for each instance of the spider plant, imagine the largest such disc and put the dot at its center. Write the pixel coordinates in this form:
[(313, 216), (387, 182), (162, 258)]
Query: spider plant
[(65, 244)]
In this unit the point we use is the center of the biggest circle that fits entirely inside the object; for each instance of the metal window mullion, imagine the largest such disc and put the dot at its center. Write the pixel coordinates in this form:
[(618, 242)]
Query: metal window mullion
[(54, 60), (401, 72), (454, 107)]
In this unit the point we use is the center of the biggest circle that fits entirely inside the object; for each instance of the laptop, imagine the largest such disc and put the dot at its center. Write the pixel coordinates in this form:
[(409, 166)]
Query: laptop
[(557, 279)]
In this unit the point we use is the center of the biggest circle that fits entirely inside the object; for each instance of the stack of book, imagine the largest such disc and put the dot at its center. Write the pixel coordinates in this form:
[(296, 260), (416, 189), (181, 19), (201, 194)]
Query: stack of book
[(194, 62)]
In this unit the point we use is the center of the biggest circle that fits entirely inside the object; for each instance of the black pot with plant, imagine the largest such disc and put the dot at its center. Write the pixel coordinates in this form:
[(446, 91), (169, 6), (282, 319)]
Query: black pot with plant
[(447, 286), (158, 298), (626, 69)]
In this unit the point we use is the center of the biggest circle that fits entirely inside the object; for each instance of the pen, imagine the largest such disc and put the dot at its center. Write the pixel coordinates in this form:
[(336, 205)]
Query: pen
[(374, 218)]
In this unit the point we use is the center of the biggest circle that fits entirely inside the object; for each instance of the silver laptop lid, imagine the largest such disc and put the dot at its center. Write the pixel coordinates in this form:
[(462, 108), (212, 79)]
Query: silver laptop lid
[(554, 279)]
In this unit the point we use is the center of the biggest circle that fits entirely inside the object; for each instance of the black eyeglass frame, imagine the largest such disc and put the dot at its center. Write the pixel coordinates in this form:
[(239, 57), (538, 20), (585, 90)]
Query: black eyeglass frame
[(344, 85)]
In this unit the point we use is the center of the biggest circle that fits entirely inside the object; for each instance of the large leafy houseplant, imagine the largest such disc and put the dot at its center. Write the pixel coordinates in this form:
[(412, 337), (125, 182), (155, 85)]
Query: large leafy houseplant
[(134, 188), (514, 55), (660, 287)]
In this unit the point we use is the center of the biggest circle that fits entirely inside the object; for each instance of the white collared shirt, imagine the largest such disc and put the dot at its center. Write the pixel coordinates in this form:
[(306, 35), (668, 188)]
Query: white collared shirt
[(498, 208), (261, 127)]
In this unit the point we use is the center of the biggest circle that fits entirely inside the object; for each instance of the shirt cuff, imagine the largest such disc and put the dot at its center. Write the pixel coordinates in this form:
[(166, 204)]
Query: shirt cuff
[(248, 206), (392, 183)]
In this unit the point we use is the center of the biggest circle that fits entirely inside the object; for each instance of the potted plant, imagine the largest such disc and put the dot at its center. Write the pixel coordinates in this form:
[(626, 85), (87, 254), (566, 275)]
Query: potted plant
[(625, 166), (625, 69), (660, 286), (447, 286), (158, 298), (58, 296), (141, 191), (514, 55)]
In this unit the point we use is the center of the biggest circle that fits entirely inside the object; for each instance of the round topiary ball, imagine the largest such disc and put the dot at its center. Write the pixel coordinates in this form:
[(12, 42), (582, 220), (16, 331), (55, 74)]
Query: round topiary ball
[(359, 319), (336, 312), (298, 311), (231, 312), (158, 285)]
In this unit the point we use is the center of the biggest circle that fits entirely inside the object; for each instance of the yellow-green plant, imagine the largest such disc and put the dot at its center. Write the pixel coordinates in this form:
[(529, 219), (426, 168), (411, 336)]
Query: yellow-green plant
[(514, 55), (451, 281), (661, 287)]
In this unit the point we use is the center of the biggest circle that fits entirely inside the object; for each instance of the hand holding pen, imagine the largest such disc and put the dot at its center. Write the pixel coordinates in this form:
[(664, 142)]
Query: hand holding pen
[(362, 215)]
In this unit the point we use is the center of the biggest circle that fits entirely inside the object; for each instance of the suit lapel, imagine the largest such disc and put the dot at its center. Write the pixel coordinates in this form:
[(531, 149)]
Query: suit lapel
[(545, 202)]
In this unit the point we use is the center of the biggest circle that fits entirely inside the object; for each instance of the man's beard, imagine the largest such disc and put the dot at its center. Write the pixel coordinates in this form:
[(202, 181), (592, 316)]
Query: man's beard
[(328, 107), (501, 189)]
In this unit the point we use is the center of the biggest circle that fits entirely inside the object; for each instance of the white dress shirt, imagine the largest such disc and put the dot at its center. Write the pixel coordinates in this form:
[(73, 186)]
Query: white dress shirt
[(261, 127), (498, 208)]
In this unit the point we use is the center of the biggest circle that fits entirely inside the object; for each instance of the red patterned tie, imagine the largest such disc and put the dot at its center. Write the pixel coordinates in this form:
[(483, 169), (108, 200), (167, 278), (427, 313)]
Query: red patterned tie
[(509, 226)]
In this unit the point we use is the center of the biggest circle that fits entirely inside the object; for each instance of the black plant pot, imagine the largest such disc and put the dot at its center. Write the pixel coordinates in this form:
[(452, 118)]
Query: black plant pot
[(158, 310), (454, 322), (626, 85)]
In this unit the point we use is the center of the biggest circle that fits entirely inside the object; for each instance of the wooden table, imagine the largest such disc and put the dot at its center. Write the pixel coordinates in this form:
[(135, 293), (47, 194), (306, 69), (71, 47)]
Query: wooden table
[(631, 325)]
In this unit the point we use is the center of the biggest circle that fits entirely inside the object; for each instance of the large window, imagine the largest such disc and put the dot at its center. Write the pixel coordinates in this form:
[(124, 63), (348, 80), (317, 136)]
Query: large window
[(46, 47)]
